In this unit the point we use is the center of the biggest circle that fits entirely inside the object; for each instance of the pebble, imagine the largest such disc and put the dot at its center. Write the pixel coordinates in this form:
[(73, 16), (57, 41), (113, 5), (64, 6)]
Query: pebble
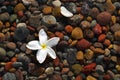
[(21, 33), (90, 78), (97, 29), (117, 35), (34, 18), (94, 12), (13, 17), (99, 67), (115, 27), (65, 12), (49, 70), (10, 54), (71, 7), (104, 18), (4, 16), (65, 70), (77, 33), (98, 45), (47, 10), (17, 64), (2, 53), (79, 55), (83, 44), (89, 54), (71, 55), (19, 7), (77, 68), (9, 76), (57, 3), (49, 20), (85, 24), (11, 45)]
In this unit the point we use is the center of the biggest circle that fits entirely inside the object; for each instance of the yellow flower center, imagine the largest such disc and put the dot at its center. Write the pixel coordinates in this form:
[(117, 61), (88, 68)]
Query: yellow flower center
[(43, 46)]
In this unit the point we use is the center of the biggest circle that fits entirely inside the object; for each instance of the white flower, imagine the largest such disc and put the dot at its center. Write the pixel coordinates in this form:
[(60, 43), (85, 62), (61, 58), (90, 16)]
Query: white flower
[(43, 46)]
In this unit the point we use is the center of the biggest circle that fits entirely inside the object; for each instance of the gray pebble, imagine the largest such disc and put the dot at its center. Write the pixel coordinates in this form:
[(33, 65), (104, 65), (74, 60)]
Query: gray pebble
[(17, 64), (10, 54), (13, 17), (34, 20), (49, 20), (21, 33), (99, 67), (9, 76), (71, 7)]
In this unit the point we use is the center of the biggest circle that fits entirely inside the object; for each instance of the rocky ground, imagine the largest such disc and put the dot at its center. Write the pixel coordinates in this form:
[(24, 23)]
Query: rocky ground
[(89, 46)]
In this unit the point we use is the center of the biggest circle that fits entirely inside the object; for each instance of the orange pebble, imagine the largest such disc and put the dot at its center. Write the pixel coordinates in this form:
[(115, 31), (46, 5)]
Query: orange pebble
[(68, 28), (101, 38), (14, 59), (107, 42), (8, 66), (59, 34)]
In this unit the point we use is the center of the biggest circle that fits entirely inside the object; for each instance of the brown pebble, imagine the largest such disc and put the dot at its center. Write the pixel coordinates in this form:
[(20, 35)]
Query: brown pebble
[(77, 33), (104, 18), (65, 70), (79, 55), (11, 45)]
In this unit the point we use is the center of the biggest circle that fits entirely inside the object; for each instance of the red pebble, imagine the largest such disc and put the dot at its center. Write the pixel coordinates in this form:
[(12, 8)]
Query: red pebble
[(101, 38), (97, 29), (89, 67), (20, 13), (107, 77), (8, 66), (83, 44), (56, 61)]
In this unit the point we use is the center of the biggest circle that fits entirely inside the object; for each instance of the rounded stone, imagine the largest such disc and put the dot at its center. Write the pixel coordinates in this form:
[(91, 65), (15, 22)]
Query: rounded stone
[(4, 16), (104, 18), (77, 33), (19, 7), (10, 54), (49, 20), (21, 33), (115, 27), (2, 53), (83, 44), (49, 70), (77, 68), (79, 55), (56, 3), (11, 45), (17, 64), (117, 35), (99, 67), (85, 24)]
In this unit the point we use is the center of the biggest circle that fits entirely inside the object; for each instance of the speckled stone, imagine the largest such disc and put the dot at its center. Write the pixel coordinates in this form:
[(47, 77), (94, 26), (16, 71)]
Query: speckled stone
[(77, 68), (4, 16)]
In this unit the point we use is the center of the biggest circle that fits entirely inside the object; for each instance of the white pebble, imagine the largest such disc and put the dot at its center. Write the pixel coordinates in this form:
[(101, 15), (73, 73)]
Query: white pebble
[(65, 12)]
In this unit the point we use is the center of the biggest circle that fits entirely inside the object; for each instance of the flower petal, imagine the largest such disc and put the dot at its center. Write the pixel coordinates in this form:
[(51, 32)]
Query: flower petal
[(41, 55), (53, 41), (51, 52), (33, 45), (42, 36)]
